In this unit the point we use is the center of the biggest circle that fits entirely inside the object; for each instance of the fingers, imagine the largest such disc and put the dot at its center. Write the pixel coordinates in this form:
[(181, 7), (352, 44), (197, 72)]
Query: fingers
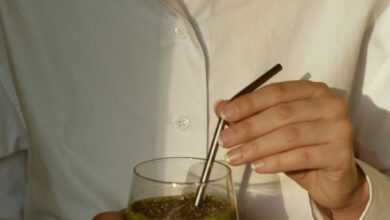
[(306, 158), (282, 115), (110, 216), (281, 125), (291, 137), (268, 96)]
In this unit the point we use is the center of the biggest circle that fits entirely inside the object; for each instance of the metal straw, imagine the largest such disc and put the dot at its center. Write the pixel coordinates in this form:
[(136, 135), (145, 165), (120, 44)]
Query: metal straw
[(221, 123)]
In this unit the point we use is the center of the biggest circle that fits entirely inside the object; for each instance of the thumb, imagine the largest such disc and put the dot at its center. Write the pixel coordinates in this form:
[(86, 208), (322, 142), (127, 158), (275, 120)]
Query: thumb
[(110, 216)]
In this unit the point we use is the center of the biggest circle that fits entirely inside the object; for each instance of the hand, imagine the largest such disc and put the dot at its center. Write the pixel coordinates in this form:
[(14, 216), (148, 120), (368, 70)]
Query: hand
[(110, 216), (300, 128)]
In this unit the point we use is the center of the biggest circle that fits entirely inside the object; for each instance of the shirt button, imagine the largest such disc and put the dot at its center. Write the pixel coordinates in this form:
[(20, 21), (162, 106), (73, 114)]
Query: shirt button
[(183, 123), (180, 33)]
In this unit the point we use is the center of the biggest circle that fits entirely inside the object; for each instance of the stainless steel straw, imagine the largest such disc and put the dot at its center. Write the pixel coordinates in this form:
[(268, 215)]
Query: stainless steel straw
[(221, 123)]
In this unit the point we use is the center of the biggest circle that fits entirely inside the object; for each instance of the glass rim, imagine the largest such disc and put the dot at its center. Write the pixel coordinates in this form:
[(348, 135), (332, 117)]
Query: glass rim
[(228, 171)]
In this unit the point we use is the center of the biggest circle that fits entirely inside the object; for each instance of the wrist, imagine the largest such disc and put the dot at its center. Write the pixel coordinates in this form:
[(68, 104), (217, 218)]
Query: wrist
[(357, 203)]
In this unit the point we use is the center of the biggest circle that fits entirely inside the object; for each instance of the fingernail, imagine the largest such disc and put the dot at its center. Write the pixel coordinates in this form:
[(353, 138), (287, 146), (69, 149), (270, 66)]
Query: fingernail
[(253, 166), (220, 141), (223, 116), (217, 102), (257, 165), (226, 137), (227, 158), (227, 113), (233, 156)]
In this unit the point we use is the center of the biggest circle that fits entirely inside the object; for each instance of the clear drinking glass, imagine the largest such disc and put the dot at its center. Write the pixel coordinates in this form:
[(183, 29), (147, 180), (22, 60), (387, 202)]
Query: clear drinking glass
[(165, 188)]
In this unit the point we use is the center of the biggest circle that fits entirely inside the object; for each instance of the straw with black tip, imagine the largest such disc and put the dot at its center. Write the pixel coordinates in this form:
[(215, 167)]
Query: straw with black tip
[(221, 123)]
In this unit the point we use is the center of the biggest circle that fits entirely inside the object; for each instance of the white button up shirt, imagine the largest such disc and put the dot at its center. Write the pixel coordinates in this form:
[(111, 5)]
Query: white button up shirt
[(102, 85)]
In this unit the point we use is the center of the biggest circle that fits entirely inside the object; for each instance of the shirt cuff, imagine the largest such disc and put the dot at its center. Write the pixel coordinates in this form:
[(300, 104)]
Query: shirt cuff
[(317, 213), (374, 205), (379, 188)]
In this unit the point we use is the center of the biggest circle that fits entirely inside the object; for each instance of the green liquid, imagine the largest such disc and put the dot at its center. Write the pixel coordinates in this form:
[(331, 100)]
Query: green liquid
[(181, 208)]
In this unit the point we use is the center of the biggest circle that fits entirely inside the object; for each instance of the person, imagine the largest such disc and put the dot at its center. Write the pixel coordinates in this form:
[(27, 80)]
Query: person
[(91, 88)]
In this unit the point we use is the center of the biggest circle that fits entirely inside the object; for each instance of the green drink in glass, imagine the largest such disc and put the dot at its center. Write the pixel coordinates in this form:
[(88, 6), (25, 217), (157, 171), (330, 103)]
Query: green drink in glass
[(164, 189)]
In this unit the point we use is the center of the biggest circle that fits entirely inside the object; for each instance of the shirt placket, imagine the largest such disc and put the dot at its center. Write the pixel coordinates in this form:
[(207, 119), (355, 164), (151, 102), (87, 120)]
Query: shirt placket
[(190, 120)]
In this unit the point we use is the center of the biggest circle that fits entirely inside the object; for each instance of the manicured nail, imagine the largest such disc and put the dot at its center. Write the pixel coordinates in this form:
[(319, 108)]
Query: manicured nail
[(227, 113), (227, 136), (217, 102), (223, 116), (257, 165), (233, 156), (227, 159), (253, 166), (220, 141)]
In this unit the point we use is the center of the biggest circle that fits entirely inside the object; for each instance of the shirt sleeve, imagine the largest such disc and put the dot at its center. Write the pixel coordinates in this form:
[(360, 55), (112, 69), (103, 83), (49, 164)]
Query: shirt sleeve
[(373, 121), (372, 104), (13, 141), (12, 131), (12, 127), (379, 189), (371, 116)]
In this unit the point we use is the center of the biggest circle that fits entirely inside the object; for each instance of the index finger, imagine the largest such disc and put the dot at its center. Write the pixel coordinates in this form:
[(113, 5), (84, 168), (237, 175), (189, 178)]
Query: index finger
[(268, 96)]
